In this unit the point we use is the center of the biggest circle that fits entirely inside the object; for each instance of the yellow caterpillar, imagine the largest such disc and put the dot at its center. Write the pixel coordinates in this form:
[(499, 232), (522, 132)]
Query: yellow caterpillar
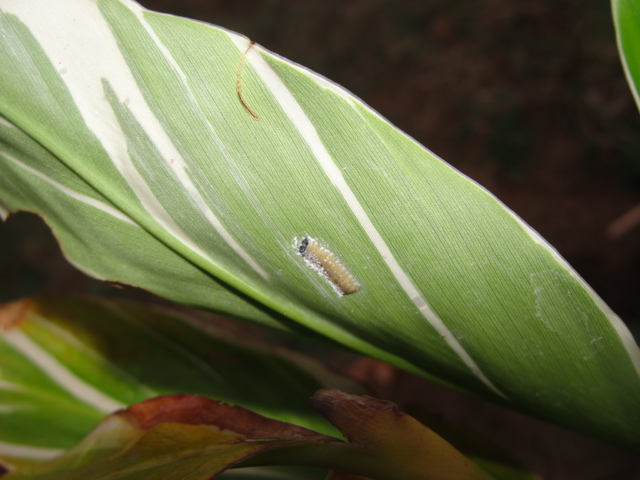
[(327, 264)]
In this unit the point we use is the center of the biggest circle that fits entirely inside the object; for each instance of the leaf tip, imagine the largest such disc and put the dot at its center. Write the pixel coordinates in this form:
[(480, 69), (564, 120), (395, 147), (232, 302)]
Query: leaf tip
[(13, 313)]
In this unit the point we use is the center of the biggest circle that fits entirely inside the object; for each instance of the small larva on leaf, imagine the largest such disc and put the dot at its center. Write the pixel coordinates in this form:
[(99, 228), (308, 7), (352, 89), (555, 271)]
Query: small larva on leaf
[(327, 265)]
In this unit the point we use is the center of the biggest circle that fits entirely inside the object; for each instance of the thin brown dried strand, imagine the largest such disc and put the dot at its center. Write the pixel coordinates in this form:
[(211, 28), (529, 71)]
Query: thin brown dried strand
[(239, 83)]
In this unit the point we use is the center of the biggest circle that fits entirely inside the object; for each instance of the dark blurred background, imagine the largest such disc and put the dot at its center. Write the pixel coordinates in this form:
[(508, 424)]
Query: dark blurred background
[(528, 98)]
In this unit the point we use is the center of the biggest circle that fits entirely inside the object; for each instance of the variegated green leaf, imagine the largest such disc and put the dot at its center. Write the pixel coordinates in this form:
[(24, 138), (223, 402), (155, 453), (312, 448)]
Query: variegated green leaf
[(67, 363), (125, 130)]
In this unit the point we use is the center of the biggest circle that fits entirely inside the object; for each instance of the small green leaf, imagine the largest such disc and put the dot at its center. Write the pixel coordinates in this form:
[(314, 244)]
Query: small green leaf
[(68, 362), (626, 17)]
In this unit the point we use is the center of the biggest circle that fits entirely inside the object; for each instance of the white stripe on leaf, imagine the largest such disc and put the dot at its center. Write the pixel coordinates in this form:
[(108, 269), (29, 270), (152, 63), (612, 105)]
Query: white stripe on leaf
[(10, 386), (60, 374), (5, 409), (92, 202), (6, 123), (27, 451)]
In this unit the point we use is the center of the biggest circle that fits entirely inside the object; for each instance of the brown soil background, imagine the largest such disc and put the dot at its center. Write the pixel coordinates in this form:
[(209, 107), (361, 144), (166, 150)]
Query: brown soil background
[(527, 98)]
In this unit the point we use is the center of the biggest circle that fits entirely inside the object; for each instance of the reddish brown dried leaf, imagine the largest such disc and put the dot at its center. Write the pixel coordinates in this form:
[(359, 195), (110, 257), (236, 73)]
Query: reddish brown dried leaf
[(189, 437), (198, 410), (395, 443)]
